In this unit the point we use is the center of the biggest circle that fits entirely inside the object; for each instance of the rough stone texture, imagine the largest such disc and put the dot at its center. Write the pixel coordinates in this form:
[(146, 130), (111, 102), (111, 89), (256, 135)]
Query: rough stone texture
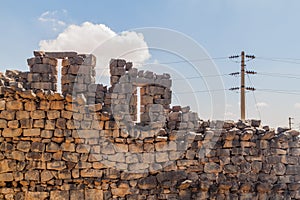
[(84, 144)]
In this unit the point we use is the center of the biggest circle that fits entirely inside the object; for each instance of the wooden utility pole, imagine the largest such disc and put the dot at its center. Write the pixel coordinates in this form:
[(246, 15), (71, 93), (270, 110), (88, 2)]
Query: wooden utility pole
[(290, 122), (242, 87), (243, 100)]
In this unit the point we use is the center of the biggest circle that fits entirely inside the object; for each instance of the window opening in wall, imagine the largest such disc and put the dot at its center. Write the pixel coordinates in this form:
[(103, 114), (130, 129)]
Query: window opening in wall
[(138, 104), (59, 68)]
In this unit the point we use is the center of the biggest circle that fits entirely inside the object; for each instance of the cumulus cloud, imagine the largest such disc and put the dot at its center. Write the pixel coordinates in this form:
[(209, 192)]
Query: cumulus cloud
[(262, 104), (101, 41), (54, 18)]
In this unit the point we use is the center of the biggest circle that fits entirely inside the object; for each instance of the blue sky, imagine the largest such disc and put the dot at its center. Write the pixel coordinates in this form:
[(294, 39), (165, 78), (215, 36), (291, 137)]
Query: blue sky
[(267, 29)]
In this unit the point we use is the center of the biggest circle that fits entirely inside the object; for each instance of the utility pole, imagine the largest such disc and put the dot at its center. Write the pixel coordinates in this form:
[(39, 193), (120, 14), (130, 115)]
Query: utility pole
[(243, 99), (290, 122), (242, 87)]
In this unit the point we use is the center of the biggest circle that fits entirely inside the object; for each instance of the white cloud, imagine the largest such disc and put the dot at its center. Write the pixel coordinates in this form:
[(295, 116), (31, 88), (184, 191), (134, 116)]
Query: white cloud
[(262, 104), (54, 19), (101, 41), (297, 105)]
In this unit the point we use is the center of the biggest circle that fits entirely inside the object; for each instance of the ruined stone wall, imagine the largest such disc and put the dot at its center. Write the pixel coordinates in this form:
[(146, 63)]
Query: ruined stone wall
[(87, 146)]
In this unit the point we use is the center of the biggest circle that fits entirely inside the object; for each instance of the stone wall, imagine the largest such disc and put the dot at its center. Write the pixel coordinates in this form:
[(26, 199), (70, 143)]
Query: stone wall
[(86, 144)]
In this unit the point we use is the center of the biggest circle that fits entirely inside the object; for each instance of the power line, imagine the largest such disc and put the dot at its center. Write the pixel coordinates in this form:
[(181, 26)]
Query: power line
[(196, 77), (279, 91), (201, 91), (278, 60), (277, 75), (292, 92), (178, 61), (253, 93)]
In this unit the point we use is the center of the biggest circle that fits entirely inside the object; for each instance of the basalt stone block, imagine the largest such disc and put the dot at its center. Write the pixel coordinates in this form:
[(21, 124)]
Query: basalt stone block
[(6, 177), (60, 55), (44, 85), (56, 165), (37, 195), (89, 59), (43, 69), (10, 132), (59, 195), (147, 183), (14, 105)]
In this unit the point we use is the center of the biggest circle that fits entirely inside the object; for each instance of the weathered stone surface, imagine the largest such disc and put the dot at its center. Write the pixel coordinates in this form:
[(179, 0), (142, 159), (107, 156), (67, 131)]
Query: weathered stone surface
[(59, 195), (77, 194), (148, 183), (46, 176), (32, 132), (8, 115), (60, 55), (9, 132), (53, 114), (14, 105), (37, 114), (53, 147), (122, 190), (93, 194), (32, 175), (18, 155), (7, 166), (37, 195), (56, 165), (212, 168), (6, 177), (23, 146)]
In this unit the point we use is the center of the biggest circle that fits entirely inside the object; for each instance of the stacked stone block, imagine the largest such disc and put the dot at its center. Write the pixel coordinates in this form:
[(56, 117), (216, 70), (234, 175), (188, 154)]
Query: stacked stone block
[(55, 146), (155, 93), (78, 73), (121, 98), (181, 118), (42, 72)]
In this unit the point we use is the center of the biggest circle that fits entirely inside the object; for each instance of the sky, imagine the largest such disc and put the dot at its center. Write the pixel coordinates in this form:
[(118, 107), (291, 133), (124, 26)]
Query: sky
[(156, 34)]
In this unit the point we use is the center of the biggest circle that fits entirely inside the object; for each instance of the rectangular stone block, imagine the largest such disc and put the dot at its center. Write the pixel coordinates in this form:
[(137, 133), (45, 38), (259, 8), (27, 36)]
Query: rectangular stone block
[(6, 177), (91, 173), (8, 115), (34, 77), (43, 69), (93, 194), (56, 165), (14, 105), (22, 115), (34, 60), (7, 166), (44, 86), (38, 114), (57, 105), (10, 132), (36, 196), (53, 114), (32, 132), (2, 105), (59, 195), (85, 134), (77, 195), (60, 55), (49, 61)]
